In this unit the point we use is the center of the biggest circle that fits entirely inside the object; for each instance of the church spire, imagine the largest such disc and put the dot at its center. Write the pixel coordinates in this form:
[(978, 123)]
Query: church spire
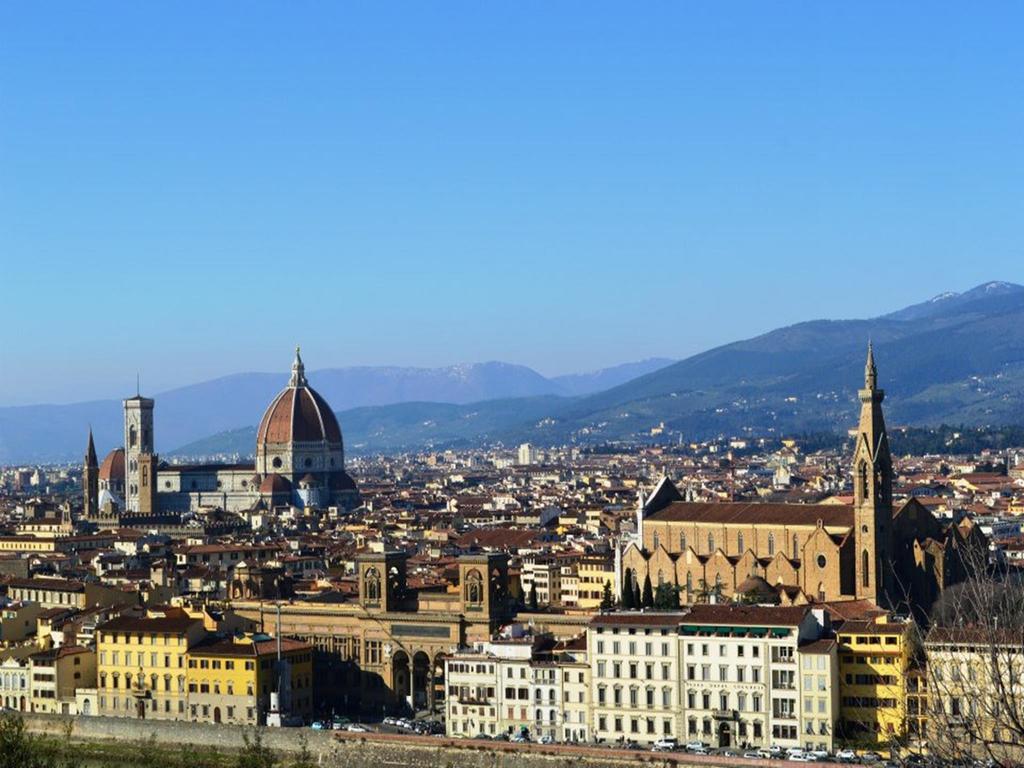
[(90, 452), (870, 372), (298, 378)]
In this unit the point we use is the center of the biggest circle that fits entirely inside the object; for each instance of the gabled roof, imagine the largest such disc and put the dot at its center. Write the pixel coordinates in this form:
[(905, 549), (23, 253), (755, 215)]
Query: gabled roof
[(752, 513)]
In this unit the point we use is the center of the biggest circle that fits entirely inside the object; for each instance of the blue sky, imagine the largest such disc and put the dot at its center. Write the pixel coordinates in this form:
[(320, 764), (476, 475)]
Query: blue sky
[(190, 189)]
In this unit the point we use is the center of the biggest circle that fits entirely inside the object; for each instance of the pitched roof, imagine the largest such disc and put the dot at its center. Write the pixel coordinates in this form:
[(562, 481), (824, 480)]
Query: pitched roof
[(752, 513)]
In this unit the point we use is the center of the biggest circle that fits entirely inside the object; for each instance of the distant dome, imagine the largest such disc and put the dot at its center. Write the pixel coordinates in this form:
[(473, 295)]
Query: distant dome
[(112, 468), (298, 414)]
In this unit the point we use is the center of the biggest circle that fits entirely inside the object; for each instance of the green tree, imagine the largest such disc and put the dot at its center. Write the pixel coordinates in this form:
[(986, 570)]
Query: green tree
[(533, 597), (627, 601), (638, 601), (19, 749), (254, 753), (607, 601), (648, 596), (666, 596)]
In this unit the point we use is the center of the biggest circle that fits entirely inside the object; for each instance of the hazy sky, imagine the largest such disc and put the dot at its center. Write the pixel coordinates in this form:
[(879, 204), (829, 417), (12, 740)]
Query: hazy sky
[(190, 189)]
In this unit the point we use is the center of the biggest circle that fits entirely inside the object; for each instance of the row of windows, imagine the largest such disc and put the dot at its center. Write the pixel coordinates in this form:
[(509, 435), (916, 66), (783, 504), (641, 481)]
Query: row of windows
[(635, 723), (633, 670), (635, 699), (631, 648), (740, 544)]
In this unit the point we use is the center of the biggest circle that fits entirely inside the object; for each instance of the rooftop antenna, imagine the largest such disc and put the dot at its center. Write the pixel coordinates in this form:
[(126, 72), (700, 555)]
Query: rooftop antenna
[(138, 384)]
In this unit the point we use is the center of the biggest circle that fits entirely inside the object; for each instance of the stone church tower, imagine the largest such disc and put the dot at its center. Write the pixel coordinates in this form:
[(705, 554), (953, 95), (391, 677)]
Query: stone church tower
[(872, 494), (90, 481), (139, 459)]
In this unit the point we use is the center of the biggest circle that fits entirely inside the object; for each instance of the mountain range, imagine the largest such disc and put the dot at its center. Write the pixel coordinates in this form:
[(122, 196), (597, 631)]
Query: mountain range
[(957, 359), (44, 433)]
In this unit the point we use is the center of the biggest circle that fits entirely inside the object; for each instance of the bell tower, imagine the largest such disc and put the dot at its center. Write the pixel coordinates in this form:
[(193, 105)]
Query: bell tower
[(139, 458), (872, 493), (90, 481)]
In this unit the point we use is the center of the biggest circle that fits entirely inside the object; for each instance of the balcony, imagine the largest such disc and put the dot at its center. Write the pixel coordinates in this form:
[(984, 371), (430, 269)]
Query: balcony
[(723, 714)]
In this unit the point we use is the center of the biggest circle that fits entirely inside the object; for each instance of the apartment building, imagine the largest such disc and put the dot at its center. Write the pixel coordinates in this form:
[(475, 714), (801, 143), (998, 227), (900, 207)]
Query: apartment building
[(634, 676), (142, 664), (742, 676), (230, 680), (526, 685), (875, 657), (56, 674)]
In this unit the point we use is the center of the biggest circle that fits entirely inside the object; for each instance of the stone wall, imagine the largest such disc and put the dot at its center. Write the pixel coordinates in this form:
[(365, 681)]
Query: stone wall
[(351, 750)]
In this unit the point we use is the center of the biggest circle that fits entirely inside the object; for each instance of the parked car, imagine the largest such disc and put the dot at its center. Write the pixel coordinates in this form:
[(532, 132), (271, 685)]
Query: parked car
[(320, 725), (519, 738), (665, 745), (356, 728), (546, 740), (801, 757), (752, 755), (693, 746), (846, 755)]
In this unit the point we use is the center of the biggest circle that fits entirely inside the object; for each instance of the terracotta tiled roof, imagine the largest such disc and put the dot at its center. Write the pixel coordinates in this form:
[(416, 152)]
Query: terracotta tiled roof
[(112, 467), (298, 414), (751, 513)]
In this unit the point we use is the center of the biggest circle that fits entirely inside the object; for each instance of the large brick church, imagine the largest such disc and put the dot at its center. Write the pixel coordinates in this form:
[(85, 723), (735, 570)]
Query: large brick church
[(800, 553)]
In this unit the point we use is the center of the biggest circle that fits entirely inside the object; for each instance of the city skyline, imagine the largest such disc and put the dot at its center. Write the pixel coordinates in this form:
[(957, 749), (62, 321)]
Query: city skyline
[(558, 190)]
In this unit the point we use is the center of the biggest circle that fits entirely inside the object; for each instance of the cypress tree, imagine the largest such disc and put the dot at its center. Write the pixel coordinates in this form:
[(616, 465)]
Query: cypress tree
[(648, 598)]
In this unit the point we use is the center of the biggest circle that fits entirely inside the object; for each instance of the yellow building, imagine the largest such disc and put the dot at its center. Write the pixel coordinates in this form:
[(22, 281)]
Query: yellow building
[(56, 674), (142, 664), (594, 572), (230, 680), (874, 661)]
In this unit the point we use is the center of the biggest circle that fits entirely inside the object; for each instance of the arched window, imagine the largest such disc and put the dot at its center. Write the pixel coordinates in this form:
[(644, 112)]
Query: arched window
[(711, 543), (371, 584), (682, 541), (474, 588), (866, 573), (656, 541), (771, 544), (132, 436), (739, 544), (661, 577), (863, 471)]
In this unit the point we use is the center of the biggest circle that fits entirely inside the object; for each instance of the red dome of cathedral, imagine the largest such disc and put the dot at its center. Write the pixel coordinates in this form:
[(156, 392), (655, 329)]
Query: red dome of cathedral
[(112, 468), (298, 414)]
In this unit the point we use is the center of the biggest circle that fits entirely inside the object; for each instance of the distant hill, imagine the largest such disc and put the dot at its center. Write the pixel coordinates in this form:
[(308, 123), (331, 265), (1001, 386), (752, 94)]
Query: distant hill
[(958, 359), (225, 406)]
